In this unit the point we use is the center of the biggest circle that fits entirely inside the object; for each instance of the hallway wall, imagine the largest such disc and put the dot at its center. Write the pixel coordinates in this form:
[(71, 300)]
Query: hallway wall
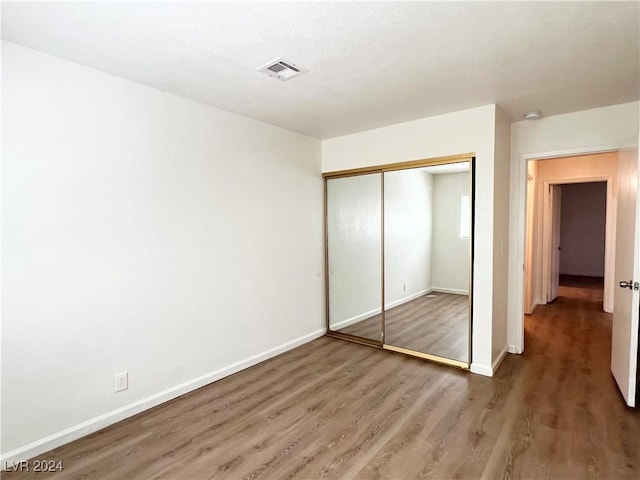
[(582, 231)]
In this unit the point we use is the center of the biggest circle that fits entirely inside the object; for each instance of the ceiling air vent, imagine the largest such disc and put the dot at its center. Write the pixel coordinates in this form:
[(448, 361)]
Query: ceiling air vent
[(282, 69)]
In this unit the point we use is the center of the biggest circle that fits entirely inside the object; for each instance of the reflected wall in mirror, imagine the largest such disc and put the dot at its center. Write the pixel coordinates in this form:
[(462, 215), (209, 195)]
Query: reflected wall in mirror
[(354, 250), (426, 259)]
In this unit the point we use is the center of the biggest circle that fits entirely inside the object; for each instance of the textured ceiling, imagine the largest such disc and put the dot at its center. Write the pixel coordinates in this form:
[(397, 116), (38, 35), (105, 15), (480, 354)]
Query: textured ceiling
[(370, 64)]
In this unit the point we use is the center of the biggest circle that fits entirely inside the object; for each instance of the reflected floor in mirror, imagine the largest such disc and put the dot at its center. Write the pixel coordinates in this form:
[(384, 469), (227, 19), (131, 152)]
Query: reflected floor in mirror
[(435, 323)]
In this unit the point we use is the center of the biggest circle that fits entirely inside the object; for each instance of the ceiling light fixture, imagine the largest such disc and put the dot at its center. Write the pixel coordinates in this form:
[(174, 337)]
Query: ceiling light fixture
[(533, 115), (282, 69)]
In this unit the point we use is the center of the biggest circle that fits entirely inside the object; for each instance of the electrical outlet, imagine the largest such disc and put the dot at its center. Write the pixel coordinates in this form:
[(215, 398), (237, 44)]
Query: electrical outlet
[(121, 381)]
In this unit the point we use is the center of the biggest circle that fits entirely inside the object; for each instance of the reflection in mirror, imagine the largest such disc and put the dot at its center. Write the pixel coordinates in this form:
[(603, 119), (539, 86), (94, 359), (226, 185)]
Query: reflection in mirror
[(354, 231), (426, 248)]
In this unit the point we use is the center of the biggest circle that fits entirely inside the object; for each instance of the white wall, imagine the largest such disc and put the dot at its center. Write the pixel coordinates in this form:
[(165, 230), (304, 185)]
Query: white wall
[(408, 216), (354, 226), (578, 132), (460, 132), (142, 232), (450, 260), (500, 236), (582, 231)]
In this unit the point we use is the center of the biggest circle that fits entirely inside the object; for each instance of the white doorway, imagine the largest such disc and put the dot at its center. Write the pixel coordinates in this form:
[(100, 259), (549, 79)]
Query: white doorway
[(543, 222), (553, 211), (575, 235), (622, 250)]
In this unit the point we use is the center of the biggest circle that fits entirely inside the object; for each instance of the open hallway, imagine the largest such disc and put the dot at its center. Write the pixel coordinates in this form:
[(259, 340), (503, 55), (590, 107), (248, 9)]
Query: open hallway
[(334, 409)]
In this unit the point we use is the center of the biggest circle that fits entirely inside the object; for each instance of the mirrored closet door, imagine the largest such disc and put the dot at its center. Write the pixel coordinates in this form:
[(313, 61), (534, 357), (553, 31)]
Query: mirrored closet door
[(426, 259), (399, 257), (354, 245)]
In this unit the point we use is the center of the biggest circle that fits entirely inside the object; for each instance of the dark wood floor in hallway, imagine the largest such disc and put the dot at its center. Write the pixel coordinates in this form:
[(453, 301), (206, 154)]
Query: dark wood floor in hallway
[(333, 409)]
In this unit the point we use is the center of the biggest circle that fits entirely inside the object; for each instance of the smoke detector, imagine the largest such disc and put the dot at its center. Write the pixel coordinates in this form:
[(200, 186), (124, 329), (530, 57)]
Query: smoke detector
[(282, 69), (533, 115)]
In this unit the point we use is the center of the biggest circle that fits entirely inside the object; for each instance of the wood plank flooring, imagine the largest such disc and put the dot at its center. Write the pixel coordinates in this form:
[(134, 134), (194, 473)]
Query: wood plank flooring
[(334, 409), (437, 324)]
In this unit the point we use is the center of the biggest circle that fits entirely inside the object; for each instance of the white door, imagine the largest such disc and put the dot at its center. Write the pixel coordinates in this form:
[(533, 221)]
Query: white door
[(624, 341), (555, 202)]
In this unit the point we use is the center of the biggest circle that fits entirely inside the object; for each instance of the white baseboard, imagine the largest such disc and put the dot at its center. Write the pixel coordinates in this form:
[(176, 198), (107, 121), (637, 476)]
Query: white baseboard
[(530, 310), (487, 370), (356, 319), (413, 296), (499, 359), (481, 369), (583, 274), (55, 440), (513, 349), (453, 291), (407, 299), (371, 313)]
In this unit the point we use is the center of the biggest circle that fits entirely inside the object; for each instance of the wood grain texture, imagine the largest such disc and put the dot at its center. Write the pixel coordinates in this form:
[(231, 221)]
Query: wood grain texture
[(436, 323), (334, 409)]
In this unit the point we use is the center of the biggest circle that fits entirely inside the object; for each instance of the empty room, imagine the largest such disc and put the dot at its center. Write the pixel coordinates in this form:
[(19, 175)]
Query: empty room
[(299, 240)]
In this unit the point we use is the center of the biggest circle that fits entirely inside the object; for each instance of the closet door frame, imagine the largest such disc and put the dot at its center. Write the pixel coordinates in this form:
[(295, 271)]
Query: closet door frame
[(381, 169), (335, 333)]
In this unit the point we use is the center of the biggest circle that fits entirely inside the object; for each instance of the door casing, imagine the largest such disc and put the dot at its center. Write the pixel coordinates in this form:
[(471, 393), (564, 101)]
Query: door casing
[(518, 259)]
